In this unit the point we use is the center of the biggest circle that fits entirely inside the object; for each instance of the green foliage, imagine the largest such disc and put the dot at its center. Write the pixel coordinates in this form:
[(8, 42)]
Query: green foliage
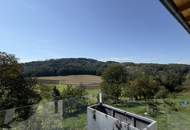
[(113, 79), (115, 74), (171, 80), (171, 76), (144, 81), (111, 92), (65, 66), (162, 93), (45, 91), (74, 100), (71, 91), (153, 108), (15, 90), (143, 87), (171, 103)]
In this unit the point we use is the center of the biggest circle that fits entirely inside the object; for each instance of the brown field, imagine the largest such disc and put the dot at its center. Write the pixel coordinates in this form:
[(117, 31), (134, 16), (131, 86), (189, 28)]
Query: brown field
[(89, 81)]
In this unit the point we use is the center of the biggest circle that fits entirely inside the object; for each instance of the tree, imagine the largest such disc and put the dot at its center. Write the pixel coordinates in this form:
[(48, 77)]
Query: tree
[(172, 78), (15, 89), (113, 79), (143, 87), (115, 74)]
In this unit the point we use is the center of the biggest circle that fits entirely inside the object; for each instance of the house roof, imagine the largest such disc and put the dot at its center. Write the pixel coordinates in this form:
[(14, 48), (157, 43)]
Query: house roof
[(180, 9)]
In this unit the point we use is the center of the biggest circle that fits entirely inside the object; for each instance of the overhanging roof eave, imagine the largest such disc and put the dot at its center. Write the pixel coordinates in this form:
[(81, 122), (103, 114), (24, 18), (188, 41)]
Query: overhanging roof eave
[(174, 11)]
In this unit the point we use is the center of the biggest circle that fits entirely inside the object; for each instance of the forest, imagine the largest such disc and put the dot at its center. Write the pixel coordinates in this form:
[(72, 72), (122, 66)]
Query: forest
[(172, 76), (78, 66)]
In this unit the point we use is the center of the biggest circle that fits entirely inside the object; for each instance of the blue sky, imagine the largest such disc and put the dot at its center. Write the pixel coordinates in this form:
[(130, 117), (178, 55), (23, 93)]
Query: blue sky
[(121, 30)]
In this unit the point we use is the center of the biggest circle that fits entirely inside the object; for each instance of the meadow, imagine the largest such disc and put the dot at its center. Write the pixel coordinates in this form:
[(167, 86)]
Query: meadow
[(167, 118)]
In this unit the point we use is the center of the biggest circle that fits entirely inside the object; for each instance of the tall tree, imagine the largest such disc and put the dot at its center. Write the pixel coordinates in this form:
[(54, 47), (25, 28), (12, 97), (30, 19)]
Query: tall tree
[(15, 89), (113, 79)]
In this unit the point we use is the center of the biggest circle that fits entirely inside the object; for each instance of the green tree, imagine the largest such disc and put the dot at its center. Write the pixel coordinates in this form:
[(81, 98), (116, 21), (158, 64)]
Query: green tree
[(15, 89), (171, 79), (113, 79), (144, 87), (115, 74)]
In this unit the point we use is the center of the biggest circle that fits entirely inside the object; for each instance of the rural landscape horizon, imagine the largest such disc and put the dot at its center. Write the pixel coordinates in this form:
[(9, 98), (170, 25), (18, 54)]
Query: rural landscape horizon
[(95, 65), (119, 60), (156, 91)]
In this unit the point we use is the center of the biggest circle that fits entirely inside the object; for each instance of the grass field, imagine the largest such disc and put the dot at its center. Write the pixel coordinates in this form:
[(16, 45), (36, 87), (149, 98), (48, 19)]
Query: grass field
[(167, 119)]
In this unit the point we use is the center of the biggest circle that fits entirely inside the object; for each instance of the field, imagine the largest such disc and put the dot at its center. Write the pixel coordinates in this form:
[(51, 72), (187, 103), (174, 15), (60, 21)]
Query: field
[(167, 119), (89, 81)]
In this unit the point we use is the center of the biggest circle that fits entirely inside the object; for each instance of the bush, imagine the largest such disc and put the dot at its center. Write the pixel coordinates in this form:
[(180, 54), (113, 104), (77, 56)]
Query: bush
[(74, 100)]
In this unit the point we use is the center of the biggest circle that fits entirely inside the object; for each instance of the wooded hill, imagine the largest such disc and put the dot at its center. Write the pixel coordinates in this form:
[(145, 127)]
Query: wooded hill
[(78, 66), (65, 66)]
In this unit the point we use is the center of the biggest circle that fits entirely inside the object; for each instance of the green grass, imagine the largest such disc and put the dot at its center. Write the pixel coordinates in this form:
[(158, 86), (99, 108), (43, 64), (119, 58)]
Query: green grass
[(76, 123), (167, 119), (93, 93)]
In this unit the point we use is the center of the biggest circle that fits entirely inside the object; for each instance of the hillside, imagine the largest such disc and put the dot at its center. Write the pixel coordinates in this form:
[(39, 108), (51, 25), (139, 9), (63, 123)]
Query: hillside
[(83, 66), (65, 66)]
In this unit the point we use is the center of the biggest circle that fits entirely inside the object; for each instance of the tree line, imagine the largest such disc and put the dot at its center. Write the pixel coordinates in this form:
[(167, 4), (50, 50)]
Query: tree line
[(78, 66), (143, 81), (65, 66)]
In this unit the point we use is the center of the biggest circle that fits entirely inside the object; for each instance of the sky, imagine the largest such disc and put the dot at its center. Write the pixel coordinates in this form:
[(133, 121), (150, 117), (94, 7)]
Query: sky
[(120, 30)]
